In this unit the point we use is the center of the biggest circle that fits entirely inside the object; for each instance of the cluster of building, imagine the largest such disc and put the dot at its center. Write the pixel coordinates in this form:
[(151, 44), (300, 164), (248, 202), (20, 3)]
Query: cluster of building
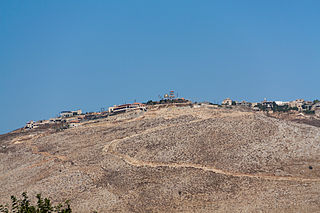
[(126, 108), (299, 105), (74, 118), (230, 102), (68, 114)]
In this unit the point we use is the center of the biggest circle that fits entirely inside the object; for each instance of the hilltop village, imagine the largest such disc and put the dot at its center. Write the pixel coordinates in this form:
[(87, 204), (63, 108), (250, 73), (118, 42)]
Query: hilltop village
[(299, 105), (69, 119), (171, 155), (74, 118)]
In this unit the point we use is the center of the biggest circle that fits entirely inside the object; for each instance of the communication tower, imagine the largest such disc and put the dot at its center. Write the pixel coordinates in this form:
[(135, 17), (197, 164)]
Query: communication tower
[(171, 95)]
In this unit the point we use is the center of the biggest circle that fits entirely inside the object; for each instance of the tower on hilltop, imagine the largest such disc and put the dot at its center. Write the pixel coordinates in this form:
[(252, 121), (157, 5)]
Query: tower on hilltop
[(172, 95)]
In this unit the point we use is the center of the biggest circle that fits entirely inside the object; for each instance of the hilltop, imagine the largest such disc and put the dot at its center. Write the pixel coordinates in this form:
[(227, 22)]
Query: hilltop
[(169, 159)]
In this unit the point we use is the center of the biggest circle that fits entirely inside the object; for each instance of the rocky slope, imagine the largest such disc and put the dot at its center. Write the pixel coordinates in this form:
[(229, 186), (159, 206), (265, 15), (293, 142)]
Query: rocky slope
[(169, 160)]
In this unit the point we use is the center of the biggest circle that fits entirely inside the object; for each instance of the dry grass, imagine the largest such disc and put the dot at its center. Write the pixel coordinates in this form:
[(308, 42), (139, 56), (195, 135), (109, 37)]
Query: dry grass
[(170, 160)]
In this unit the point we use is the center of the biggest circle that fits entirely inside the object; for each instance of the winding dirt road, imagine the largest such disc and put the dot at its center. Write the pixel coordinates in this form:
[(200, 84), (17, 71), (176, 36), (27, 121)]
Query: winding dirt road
[(111, 149)]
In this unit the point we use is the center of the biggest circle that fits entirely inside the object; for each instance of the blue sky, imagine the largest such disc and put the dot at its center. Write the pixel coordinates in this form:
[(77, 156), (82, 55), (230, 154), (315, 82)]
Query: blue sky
[(60, 55)]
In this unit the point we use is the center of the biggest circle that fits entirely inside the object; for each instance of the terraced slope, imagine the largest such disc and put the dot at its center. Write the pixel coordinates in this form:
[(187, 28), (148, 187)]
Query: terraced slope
[(170, 160)]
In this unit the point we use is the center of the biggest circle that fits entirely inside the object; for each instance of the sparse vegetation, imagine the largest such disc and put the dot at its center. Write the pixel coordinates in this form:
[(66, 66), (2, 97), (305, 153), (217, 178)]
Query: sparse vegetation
[(61, 127), (43, 206), (309, 112), (167, 101), (277, 108), (138, 162)]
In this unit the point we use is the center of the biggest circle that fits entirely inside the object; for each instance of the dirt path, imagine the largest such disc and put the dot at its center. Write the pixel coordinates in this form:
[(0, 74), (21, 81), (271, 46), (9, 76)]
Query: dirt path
[(111, 147), (28, 141)]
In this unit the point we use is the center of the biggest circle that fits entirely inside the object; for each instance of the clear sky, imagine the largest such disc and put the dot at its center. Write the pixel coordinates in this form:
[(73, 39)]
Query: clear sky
[(63, 55)]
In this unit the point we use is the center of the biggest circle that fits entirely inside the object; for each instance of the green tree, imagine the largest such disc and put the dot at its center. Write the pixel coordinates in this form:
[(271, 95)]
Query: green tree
[(310, 112), (43, 206)]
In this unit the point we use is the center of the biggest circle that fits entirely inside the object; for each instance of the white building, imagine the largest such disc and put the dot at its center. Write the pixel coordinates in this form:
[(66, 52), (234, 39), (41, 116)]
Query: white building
[(282, 103), (227, 101), (316, 106), (67, 114), (31, 125)]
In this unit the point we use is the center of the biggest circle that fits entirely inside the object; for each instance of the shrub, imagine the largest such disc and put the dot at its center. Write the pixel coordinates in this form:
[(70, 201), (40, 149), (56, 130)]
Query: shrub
[(310, 112), (43, 206)]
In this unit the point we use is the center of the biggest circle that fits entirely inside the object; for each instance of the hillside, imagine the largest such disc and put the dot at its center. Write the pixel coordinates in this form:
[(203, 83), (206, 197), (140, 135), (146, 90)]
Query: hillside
[(169, 160)]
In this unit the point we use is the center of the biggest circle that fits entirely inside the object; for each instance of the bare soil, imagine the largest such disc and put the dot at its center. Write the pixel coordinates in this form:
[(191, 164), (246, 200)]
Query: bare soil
[(169, 160)]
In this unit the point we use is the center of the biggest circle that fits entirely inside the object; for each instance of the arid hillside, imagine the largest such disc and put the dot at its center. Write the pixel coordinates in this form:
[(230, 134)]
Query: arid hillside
[(169, 160)]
